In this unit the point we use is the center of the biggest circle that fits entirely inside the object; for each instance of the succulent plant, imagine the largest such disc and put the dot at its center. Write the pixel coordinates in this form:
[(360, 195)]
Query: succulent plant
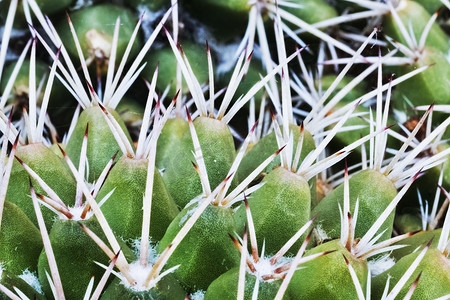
[(177, 155)]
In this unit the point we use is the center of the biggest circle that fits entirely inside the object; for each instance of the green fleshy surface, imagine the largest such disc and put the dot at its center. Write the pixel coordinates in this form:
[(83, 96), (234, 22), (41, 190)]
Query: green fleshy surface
[(22, 80), (415, 13), (167, 62), (171, 135), (130, 111), (404, 223), (206, 251), (279, 209), (268, 146), (51, 169), (11, 281), (433, 283), (430, 5), (75, 253), (101, 144), (20, 241), (48, 7), (226, 286), (328, 277), (415, 241), (60, 98), (313, 11), (431, 85), (152, 5), (374, 190), (219, 14), (123, 209), (216, 141)]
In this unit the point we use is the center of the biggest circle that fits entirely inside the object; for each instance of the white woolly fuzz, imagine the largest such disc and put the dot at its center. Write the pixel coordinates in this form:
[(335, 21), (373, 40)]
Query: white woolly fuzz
[(320, 234), (379, 265), (32, 280), (139, 274), (198, 295), (265, 269), (152, 253)]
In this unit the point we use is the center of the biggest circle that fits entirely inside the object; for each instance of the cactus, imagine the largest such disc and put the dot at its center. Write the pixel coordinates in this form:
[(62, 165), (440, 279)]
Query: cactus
[(142, 197)]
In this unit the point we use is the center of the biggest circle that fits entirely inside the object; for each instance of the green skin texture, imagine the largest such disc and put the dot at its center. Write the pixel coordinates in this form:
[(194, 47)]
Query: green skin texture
[(123, 209), (95, 17), (166, 289), (51, 169), (216, 141), (431, 5), (374, 190), (407, 223), (48, 7), (10, 281), (431, 85), (172, 132), (415, 241), (313, 11), (279, 209), (101, 144), (328, 277), (75, 253), (433, 283), (268, 146), (130, 111), (226, 286), (57, 151), (167, 71), (206, 251), (20, 241), (419, 17)]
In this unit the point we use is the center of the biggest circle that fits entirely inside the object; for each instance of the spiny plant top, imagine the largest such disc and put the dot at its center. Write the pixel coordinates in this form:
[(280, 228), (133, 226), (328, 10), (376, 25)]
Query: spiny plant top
[(34, 128), (268, 269), (116, 85), (398, 287), (412, 50), (398, 169), (142, 275), (239, 72)]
